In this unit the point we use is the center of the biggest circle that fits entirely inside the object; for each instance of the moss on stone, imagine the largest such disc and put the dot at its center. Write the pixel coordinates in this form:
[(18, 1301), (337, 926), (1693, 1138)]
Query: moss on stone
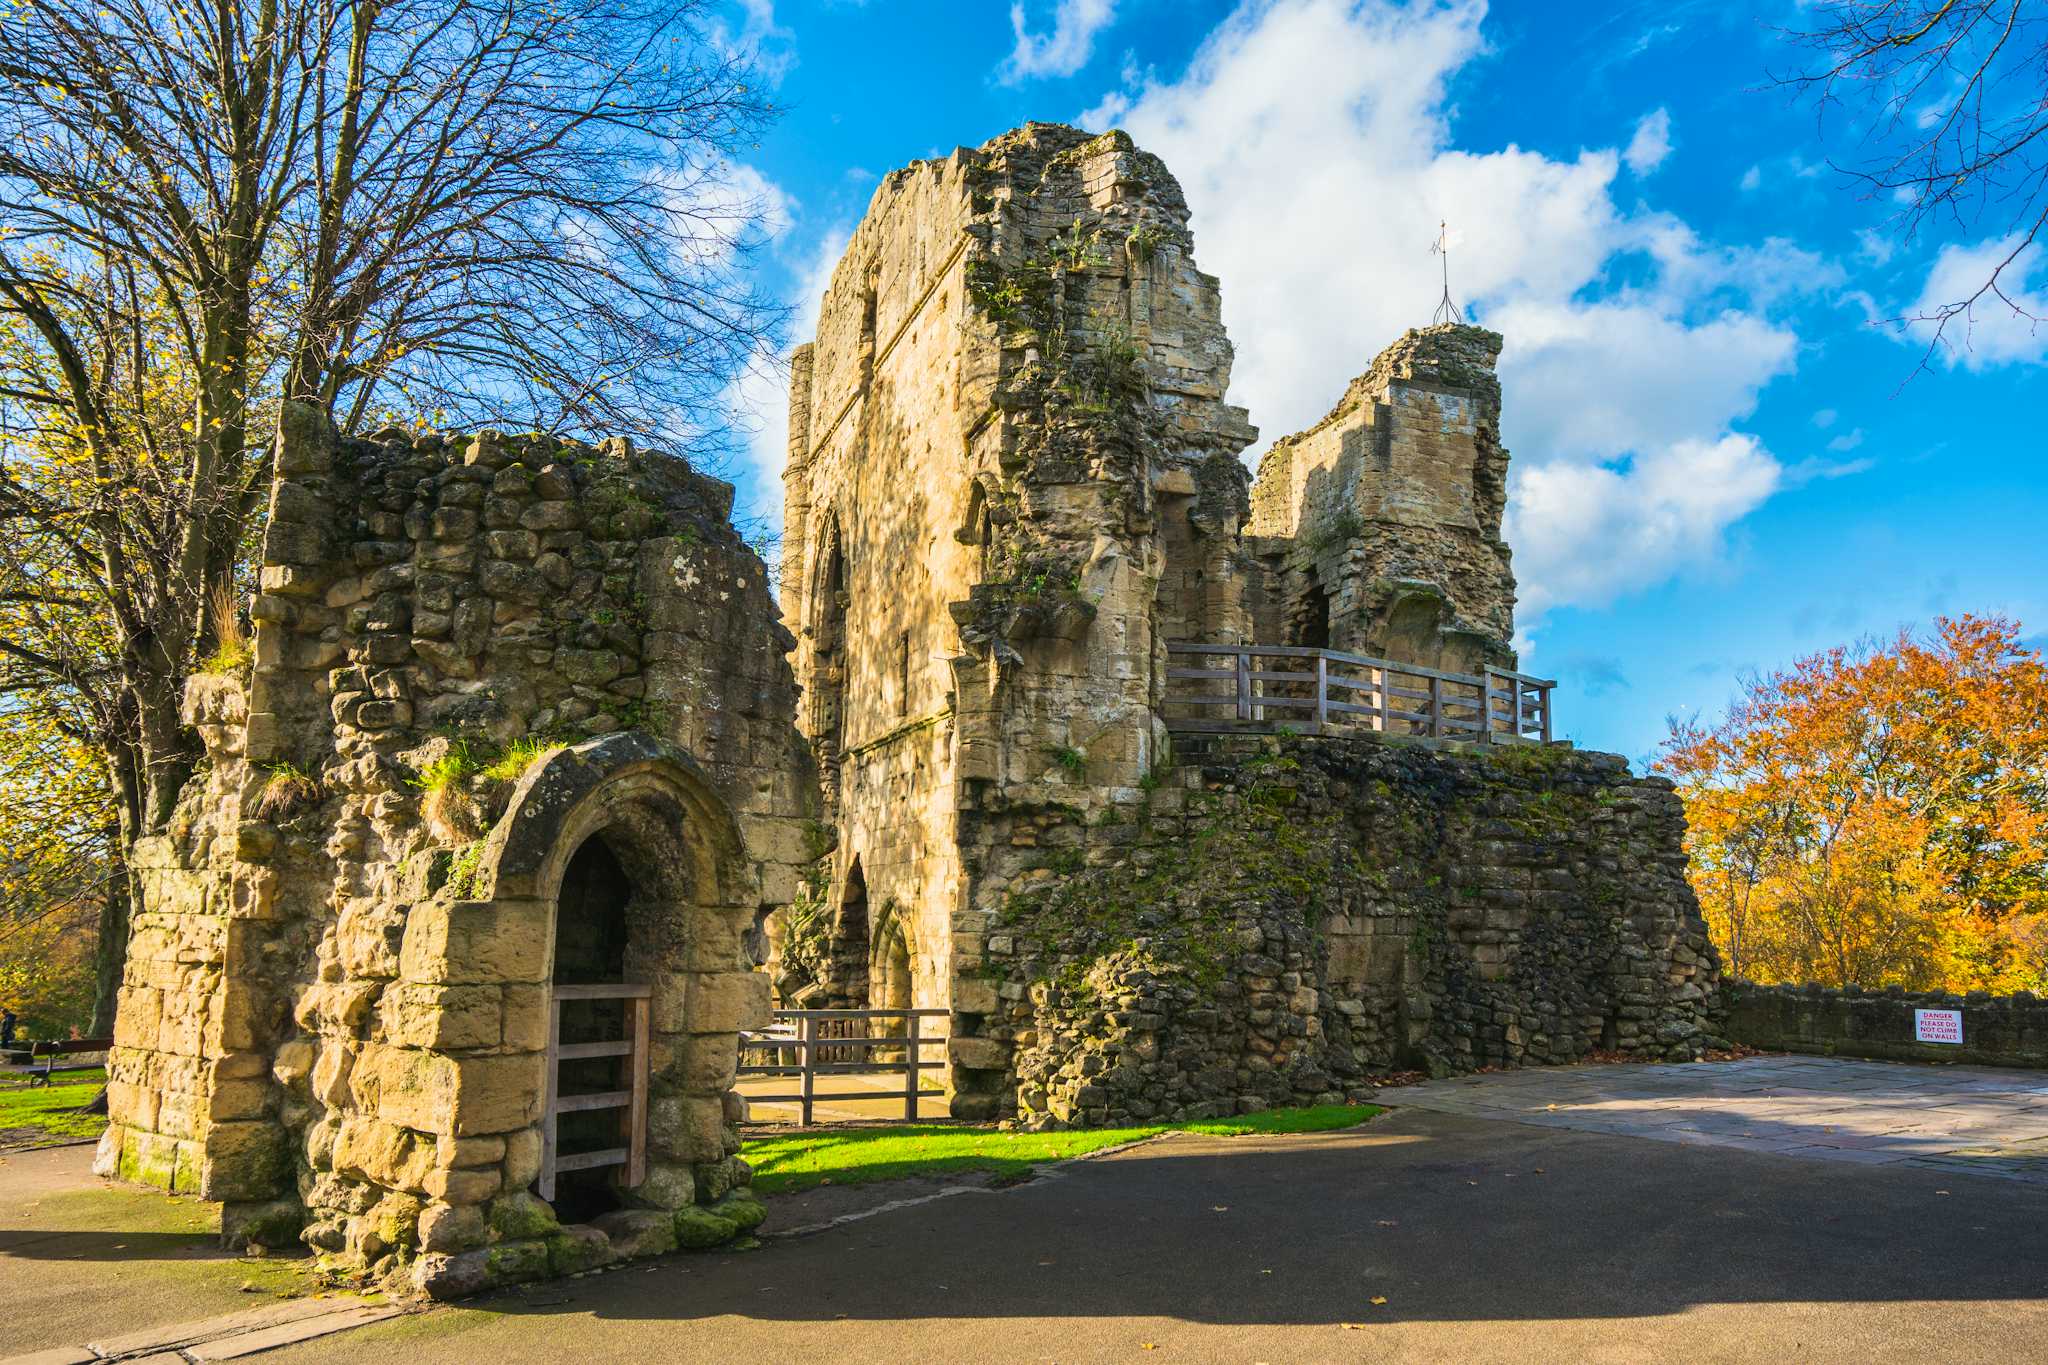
[(698, 1227), (515, 1217)]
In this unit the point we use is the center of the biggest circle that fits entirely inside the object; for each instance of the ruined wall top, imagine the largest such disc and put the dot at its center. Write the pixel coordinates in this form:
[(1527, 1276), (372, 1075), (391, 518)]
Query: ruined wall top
[(1391, 507)]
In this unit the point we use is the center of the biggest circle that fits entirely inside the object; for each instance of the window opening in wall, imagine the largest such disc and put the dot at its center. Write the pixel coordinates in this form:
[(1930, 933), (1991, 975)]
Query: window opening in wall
[(903, 674), (1315, 615), (829, 661)]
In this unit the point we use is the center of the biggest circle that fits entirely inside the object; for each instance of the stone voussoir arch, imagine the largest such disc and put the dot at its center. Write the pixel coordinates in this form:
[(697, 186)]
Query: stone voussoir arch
[(694, 888)]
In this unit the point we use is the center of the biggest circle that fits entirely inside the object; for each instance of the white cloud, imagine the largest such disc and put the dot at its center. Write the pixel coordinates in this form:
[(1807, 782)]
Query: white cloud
[(759, 41), (1825, 418), (759, 398), (1847, 441), (1994, 330), (1752, 178), (1063, 51), (722, 205), (1651, 143), (1313, 140), (1665, 509)]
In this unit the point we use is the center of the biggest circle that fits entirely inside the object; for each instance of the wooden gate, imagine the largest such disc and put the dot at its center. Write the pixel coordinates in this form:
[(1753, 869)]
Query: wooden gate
[(808, 1044), (631, 1101)]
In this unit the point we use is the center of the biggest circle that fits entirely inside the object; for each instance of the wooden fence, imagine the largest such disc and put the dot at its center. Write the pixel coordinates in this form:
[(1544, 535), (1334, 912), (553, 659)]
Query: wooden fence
[(808, 1044), (1220, 689)]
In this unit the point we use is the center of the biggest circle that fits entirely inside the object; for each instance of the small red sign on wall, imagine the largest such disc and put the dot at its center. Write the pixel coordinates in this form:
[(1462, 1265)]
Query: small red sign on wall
[(1938, 1026)]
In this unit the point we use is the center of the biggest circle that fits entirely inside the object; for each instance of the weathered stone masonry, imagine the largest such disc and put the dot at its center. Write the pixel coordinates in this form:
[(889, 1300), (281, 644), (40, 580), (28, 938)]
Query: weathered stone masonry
[(523, 718), (1281, 920), (338, 993), (1998, 1030), (1013, 480)]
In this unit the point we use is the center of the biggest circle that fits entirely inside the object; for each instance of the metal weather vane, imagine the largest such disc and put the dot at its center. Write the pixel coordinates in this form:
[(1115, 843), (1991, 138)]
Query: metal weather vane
[(1446, 311)]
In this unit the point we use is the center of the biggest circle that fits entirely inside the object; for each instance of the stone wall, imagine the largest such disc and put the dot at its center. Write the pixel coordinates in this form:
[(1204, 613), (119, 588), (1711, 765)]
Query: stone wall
[(1277, 922), (1998, 1030), (473, 657), (1380, 526)]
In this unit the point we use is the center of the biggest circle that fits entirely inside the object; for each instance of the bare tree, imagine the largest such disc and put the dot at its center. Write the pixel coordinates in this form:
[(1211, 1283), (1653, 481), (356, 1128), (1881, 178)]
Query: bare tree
[(1945, 103), (509, 212)]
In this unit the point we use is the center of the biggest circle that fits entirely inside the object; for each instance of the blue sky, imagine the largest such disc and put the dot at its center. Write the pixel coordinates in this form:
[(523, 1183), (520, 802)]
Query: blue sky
[(1720, 462)]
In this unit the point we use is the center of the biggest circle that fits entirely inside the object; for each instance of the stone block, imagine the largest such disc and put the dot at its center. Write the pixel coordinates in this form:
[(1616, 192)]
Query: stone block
[(698, 1228), (245, 1162), (699, 1129), (521, 1215), (725, 1002), (978, 1054), (464, 1186), (451, 1227), (668, 1186), (383, 1152), (444, 1018), (579, 1248), (522, 1158), (639, 1232), (705, 1064), (478, 941), (436, 1093)]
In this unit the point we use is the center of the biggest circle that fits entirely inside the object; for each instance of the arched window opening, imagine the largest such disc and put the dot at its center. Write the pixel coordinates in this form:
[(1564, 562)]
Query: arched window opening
[(829, 662), (1312, 615), (849, 975)]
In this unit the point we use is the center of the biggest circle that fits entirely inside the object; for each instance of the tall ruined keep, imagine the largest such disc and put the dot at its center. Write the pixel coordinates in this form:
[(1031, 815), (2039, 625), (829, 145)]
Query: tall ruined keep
[(443, 963)]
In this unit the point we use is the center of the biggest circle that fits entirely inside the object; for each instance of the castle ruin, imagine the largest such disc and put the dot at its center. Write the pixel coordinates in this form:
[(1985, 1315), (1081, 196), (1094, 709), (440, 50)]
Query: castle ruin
[(1182, 793)]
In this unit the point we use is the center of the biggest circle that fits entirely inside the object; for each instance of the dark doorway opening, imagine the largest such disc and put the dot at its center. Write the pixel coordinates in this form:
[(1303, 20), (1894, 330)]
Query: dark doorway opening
[(1313, 616), (849, 978), (590, 949)]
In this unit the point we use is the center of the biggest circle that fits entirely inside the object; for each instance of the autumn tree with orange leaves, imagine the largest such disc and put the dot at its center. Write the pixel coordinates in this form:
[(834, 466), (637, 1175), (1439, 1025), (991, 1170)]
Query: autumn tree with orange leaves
[(1878, 815)]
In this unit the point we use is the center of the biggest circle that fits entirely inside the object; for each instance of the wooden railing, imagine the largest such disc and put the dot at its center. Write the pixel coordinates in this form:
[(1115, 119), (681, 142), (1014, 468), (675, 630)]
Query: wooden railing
[(632, 1100), (808, 1044), (1262, 688)]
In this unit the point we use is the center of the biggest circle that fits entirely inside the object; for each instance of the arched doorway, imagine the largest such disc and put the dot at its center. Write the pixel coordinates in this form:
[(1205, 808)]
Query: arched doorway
[(622, 850), (890, 983), (827, 684), (847, 980)]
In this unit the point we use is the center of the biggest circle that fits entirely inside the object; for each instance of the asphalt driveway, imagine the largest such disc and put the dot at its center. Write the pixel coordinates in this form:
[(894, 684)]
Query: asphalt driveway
[(1422, 1236)]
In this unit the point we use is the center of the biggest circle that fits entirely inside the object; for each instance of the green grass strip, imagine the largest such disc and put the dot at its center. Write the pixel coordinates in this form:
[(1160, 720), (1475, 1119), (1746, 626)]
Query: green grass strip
[(786, 1163), (53, 1108)]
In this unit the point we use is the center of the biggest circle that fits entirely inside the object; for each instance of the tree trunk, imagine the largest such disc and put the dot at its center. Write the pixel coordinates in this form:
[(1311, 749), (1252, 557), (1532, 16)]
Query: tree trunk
[(110, 950)]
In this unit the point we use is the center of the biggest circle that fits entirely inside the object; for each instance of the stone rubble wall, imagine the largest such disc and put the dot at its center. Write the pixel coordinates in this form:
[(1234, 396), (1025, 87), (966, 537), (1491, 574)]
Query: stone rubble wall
[(1278, 922), (334, 1023), (1998, 1030)]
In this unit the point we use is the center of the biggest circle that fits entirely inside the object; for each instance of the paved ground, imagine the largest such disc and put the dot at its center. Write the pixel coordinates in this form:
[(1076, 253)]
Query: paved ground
[(1960, 1119), (1487, 1239), (84, 1259), (1517, 1235)]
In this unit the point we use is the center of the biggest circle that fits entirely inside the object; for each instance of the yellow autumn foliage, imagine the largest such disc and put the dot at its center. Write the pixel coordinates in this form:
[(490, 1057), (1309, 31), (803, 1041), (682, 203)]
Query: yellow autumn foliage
[(1878, 815)]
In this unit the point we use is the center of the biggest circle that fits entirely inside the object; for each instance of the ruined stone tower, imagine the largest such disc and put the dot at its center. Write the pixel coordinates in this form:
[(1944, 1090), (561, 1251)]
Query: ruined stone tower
[(1378, 528), (511, 774), (1012, 478), (1013, 482), (441, 967)]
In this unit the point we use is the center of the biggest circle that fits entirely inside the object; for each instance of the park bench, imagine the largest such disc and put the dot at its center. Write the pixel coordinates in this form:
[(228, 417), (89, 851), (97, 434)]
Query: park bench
[(69, 1047)]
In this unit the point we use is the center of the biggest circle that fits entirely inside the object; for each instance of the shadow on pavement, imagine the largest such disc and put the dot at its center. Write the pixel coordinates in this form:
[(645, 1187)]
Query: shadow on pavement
[(1445, 1217)]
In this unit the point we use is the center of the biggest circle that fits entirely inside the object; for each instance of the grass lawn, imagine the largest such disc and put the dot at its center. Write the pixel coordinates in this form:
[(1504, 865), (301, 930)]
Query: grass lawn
[(852, 1156), (52, 1109)]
